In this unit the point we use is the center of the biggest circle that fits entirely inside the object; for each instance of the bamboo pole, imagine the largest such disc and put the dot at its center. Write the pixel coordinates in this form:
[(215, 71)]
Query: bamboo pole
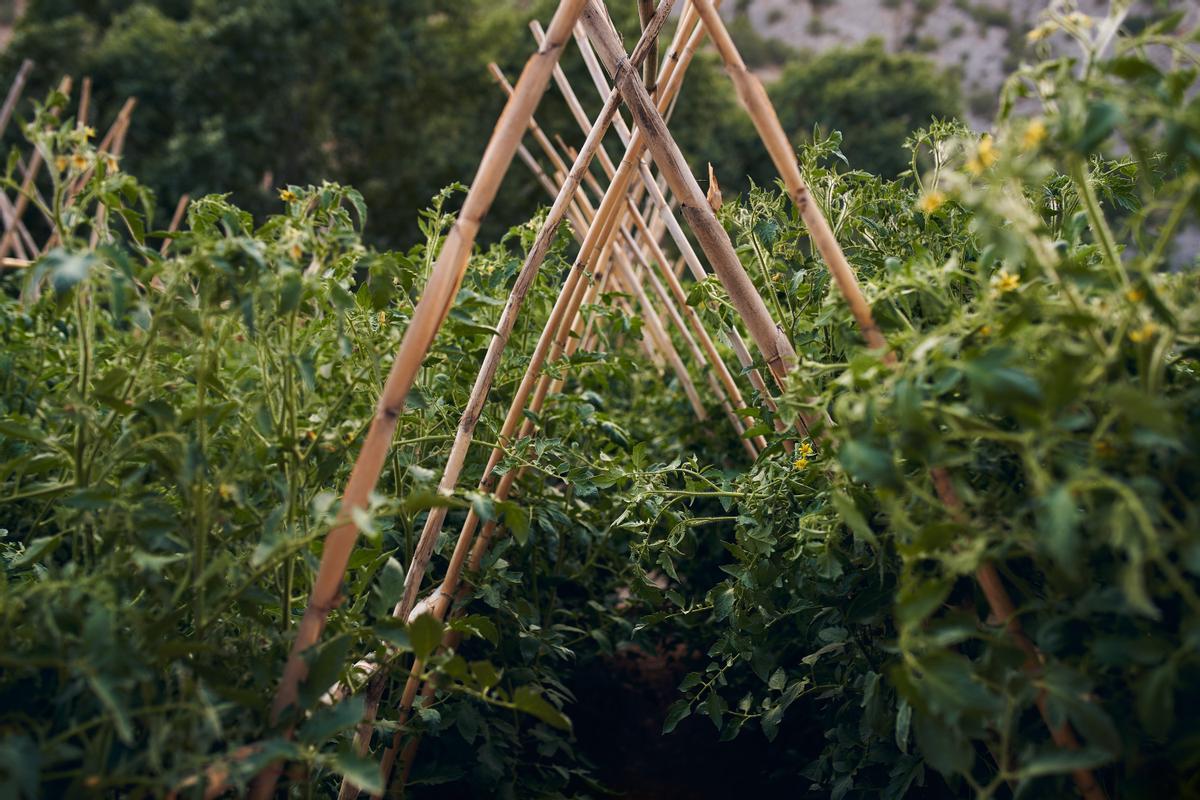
[(776, 350), (85, 100), (714, 361), (758, 104), (176, 220), (565, 308), (14, 94), (754, 98), (27, 186), (650, 67), (431, 311), (668, 219), (453, 469), (23, 244), (658, 332)]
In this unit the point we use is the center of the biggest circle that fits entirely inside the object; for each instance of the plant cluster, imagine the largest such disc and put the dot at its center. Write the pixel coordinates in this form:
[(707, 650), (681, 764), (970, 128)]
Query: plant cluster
[(174, 421)]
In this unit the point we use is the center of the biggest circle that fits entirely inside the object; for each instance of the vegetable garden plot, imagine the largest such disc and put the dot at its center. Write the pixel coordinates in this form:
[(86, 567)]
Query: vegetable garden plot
[(955, 533)]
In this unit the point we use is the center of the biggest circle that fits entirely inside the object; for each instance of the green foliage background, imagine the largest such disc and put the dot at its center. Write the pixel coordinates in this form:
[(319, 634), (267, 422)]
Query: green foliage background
[(393, 97), (175, 428)]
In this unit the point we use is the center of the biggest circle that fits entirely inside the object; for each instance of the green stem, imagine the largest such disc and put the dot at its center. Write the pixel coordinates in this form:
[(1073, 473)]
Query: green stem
[(1091, 204)]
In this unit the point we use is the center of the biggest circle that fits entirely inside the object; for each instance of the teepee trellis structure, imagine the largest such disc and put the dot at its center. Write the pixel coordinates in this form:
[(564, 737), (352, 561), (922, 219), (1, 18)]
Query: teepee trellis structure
[(619, 247)]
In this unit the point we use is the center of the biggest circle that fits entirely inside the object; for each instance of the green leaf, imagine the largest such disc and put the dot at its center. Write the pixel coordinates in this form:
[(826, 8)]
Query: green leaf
[(1058, 762), (516, 519), (678, 711), (531, 701), (771, 720), (946, 749), (362, 771), (853, 518), (324, 668), (330, 720), (1156, 699), (1059, 522), (425, 633)]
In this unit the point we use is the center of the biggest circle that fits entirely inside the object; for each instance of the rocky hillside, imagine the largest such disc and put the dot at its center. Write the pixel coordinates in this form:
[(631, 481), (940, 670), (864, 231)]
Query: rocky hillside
[(981, 40)]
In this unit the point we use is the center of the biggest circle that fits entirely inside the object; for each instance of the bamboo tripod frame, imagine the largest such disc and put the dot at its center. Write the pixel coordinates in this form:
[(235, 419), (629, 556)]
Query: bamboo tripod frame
[(619, 229)]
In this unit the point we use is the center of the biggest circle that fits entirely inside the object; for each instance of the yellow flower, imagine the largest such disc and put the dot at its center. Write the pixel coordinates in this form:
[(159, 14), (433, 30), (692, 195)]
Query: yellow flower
[(1006, 281), (1035, 134), (1144, 333), (382, 318), (1040, 32), (111, 165), (1135, 295), (806, 449), (88, 131), (61, 163), (800, 463), (987, 150), (985, 155), (1079, 19), (1104, 449), (79, 161), (985, 330), (227, 491), (931, 201), (287, 195), (295, 252)]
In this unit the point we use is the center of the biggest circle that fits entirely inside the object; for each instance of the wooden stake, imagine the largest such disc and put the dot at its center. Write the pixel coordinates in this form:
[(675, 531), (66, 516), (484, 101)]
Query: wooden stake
[(756, 101), (431, 311), (27, 186), (14, 94), (776, 350), (465, 433)]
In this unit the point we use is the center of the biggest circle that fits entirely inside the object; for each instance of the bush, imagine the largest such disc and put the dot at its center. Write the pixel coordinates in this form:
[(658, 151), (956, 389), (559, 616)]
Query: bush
[(875, 99)]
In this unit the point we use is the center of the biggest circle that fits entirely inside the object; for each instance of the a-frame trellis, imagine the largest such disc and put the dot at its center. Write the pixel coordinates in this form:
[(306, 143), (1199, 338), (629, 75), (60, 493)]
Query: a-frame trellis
[(619, 247)]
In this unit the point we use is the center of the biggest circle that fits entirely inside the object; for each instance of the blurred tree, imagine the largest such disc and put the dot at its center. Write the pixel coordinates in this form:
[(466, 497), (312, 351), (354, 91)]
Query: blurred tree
[(393, 97), (873, 97)]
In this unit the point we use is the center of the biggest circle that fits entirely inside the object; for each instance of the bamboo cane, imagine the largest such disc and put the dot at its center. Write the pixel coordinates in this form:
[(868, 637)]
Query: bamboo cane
[(35, 165), (453, 469), (431, 311), (14, 94), (718, 364), (758, 104), (23, 244), (754, 98), (569, 300), (730, 389), (658, 332), (650, 67), (85, 99), (176, 220), (668, 219), (776, 350)]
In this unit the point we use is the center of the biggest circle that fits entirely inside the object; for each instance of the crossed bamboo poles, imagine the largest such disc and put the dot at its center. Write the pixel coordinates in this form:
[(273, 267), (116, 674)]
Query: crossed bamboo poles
[(605, 242)]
